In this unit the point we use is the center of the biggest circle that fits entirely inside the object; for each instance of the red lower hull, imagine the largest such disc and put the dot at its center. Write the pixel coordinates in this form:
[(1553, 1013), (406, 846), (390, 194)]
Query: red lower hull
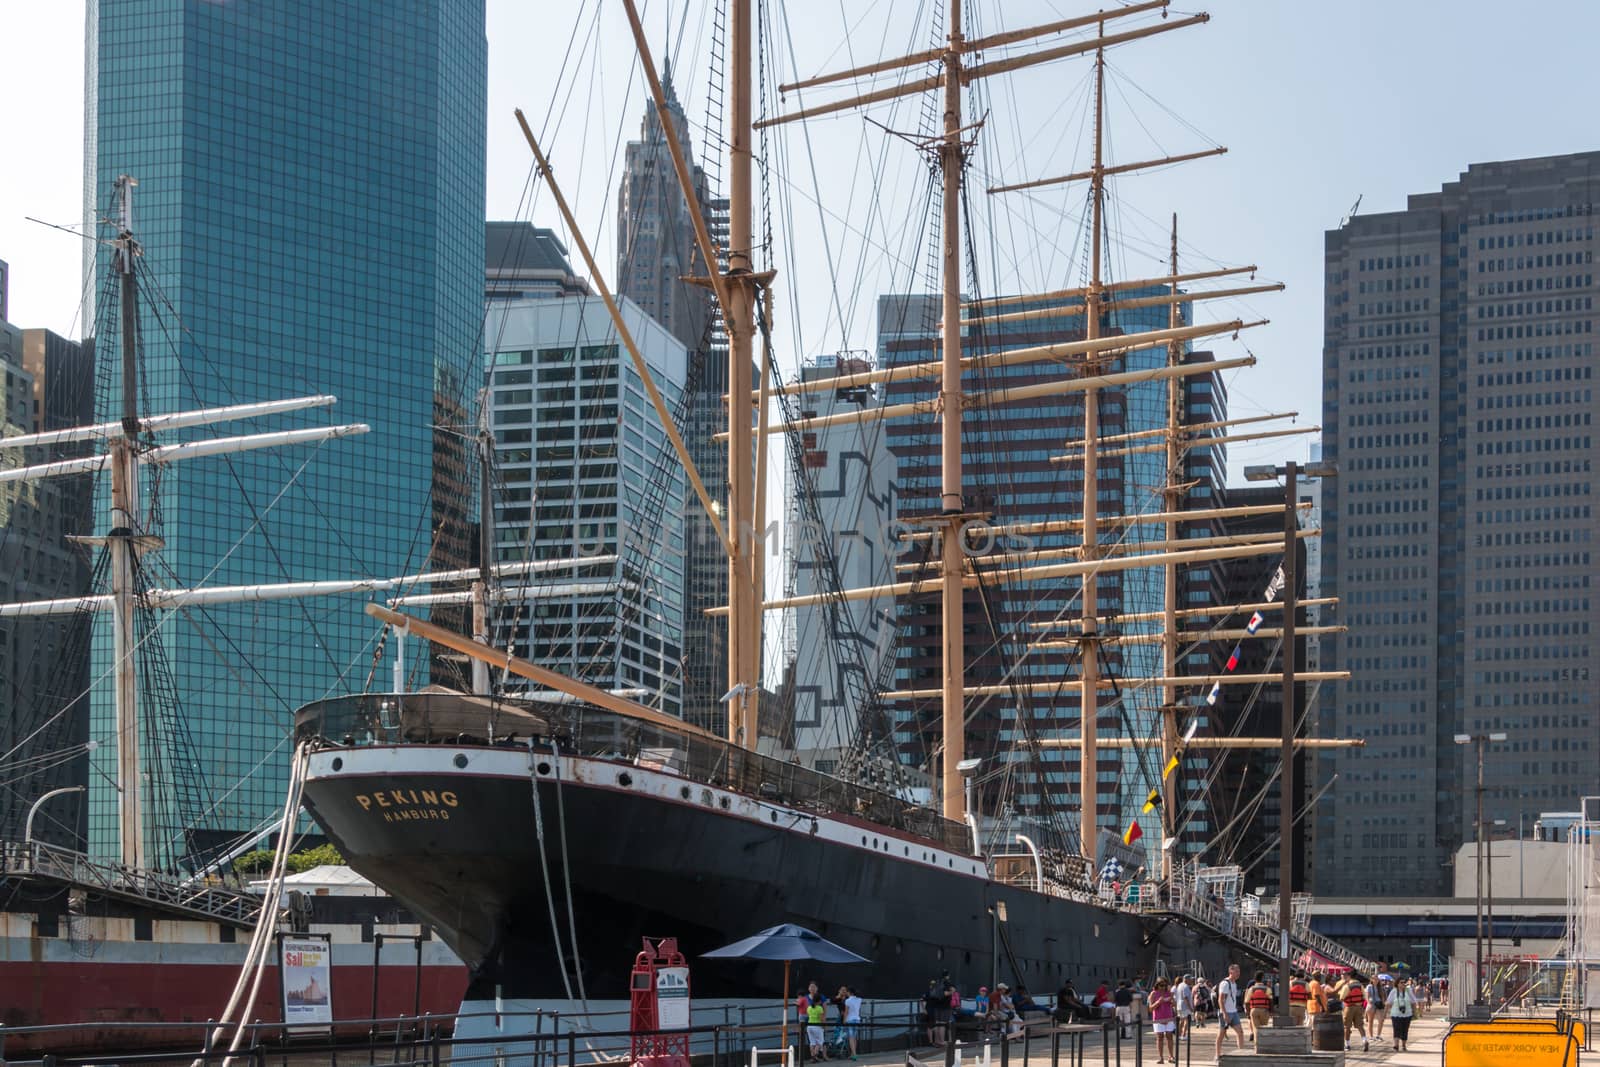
[(99, 999)]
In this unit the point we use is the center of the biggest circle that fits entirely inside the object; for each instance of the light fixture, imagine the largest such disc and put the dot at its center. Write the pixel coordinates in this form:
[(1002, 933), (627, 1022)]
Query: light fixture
[(969, 767)]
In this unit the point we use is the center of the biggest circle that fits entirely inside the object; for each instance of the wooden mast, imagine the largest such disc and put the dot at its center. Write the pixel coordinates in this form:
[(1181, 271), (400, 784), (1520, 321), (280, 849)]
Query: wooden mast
[(1174, 493), (1089, 640), (123, 543), (744, 599), (951, 561)]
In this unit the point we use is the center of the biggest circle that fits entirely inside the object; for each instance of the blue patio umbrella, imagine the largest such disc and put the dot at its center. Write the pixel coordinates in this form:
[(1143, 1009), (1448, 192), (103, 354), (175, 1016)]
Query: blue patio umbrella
[(786, 942)]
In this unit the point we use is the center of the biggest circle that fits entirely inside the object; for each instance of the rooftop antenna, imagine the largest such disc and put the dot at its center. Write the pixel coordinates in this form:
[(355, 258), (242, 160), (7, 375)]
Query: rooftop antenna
[(1352, 213)]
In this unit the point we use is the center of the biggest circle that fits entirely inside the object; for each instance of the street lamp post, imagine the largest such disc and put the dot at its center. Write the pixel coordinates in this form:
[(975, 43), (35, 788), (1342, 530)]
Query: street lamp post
[(1289, 472), (1480, 740)]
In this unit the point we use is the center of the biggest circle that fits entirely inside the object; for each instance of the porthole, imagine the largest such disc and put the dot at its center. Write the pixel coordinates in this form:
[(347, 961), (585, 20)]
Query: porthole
[(908, 850), (543, 768), (686, 792), (625, 779), (873, 944), (723, 803), (774, 816), (460, 760), (338, 763), (938, 953), (706, 797), (863, 840)]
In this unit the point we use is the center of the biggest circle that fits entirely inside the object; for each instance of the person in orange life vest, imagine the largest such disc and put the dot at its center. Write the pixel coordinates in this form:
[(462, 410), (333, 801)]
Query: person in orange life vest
[(1319, 995), (1354, 996), (1258, 999), (1299, 996)]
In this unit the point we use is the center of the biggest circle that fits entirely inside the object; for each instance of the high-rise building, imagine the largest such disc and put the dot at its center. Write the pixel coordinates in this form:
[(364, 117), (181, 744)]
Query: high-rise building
[(588, 473), (522, 261), (310, 223), (47, 384), (656, 251), (839, 534), (1458, 386), (1021, 467)]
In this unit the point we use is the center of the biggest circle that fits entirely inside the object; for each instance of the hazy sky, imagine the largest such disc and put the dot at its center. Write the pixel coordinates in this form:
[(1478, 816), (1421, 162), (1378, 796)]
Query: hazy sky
[(1318, 103)]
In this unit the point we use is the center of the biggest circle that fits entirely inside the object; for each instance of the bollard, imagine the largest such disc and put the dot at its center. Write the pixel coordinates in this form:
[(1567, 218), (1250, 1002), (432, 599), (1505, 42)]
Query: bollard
[(1138, 1042)]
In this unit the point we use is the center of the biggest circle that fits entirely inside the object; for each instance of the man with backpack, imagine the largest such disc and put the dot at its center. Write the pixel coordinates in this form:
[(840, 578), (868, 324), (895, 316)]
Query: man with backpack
[(1228, 1004)]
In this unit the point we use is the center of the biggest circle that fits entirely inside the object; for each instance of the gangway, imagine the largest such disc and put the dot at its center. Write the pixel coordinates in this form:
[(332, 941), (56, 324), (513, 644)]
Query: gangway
[(35, 859), (1209, 898)]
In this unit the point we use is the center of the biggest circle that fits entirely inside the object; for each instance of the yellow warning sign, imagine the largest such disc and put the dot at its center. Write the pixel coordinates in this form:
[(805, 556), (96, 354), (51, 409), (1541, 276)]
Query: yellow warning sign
[(1478, 1046)]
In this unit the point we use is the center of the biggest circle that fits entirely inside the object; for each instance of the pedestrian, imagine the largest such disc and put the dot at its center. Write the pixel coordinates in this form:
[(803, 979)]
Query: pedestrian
[(852, 1016), (816, 1019), (1402, 1006), (1258, 998), (1228, 1002), (1163, 1016), (934, 1005), (1319, 997), (1299, 996), (1204, 1002), (1070, 1008), (1353, 995), (1122, 1000), (1377, 996), (980, 1003), (1183, 1008)]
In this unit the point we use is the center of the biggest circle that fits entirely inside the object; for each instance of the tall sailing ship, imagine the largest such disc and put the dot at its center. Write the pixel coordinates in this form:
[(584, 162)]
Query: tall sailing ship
[(543, 836)]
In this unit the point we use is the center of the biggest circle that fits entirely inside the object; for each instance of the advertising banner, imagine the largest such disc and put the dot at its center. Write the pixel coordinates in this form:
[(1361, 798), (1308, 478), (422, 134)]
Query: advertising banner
[(306, 966)]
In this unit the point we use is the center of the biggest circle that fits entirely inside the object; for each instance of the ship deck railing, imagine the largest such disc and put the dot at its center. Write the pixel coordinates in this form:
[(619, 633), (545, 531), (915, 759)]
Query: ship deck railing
[(448, 718), (164, 892)]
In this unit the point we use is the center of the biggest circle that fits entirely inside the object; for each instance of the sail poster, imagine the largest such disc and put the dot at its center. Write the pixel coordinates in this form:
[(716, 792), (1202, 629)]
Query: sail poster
[(306, 965)]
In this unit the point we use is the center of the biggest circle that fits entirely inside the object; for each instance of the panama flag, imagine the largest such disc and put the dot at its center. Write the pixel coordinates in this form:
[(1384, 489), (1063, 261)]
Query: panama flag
[(1255, 623), (1133, 833), (1233, 660), (1216, 691)]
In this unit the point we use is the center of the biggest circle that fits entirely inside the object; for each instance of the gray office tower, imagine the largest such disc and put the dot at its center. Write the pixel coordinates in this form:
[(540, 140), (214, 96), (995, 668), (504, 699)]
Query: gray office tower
[(655, 251), (1458, 378), (46, 383)]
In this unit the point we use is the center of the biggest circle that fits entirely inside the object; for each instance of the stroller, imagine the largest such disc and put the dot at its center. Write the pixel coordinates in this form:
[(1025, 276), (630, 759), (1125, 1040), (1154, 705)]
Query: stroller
[(838, 1046)]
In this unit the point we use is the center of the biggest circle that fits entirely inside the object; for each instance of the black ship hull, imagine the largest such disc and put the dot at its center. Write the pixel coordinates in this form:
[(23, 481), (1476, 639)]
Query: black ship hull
[(489, 845)]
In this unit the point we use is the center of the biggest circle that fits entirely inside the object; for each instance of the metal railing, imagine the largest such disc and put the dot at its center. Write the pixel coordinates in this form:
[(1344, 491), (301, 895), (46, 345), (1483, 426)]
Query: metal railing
[(36, 859), (580, 730)]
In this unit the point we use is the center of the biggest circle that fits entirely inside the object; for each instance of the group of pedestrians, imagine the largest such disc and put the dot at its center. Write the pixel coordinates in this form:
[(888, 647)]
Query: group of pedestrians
[(812, 1008), (1363, 1005), (1368, 1003)]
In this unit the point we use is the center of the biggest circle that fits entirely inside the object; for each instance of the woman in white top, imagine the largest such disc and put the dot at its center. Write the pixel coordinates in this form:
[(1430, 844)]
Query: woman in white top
[(1402, 1006)]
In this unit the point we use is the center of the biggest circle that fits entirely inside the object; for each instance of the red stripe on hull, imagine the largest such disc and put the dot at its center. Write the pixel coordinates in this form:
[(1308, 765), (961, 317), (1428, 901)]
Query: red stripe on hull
[(101, 995)]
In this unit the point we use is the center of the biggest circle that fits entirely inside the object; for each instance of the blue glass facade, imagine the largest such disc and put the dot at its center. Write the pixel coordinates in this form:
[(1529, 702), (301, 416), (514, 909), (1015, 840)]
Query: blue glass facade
[(311, 205), (1014, 473)]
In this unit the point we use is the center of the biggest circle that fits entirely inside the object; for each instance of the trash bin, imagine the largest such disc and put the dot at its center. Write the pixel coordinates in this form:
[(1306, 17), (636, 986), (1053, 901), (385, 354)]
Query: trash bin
[(1327, 1033)]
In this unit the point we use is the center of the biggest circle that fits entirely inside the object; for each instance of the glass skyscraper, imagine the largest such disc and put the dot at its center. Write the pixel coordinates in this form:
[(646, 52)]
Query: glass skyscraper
[(1012, 474), (310, 206)]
